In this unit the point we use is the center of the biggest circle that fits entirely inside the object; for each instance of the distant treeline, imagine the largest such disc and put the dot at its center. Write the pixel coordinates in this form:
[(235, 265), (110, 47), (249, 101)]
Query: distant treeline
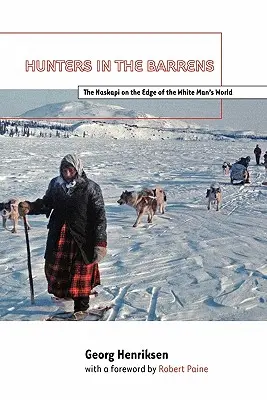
[(34, 128)]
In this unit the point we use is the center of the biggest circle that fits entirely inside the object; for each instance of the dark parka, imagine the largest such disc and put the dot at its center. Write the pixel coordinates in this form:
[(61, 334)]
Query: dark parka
[(257, 150), (81, 207)]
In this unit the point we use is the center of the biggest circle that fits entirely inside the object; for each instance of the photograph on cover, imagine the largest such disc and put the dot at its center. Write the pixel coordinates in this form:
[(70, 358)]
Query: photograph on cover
[(139, 219)]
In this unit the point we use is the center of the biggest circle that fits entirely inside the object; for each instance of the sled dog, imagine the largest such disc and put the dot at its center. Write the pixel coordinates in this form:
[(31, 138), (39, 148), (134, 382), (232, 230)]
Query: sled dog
[(226, 168), (10, 212), (145, 202), (161, 199), (214, 196)]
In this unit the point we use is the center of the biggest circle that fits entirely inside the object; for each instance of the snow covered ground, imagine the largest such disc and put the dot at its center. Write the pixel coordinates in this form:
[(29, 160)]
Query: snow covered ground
[(190, 264)]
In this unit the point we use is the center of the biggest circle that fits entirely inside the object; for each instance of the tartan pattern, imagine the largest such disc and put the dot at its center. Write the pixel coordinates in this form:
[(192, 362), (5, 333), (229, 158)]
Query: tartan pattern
[(69, 276)]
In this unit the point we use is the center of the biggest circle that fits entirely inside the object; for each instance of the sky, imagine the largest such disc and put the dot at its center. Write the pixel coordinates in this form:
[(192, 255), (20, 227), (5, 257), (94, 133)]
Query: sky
[(237, 114), (190, 264)]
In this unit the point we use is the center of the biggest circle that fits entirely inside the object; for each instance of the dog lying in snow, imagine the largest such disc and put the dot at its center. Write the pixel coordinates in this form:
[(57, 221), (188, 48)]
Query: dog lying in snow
[(145, 202), (9, 210), (214, 196)]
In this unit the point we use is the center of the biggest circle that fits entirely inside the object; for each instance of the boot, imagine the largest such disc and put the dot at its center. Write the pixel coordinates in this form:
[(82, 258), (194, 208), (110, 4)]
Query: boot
[(81, 303)]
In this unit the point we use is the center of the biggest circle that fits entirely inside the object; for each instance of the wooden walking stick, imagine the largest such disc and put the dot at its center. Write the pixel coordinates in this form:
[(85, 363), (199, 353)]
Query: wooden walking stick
[(29, 258)]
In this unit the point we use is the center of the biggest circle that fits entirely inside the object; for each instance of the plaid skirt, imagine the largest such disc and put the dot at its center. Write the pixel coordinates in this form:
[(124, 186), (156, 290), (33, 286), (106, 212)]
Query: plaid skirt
[(69, 276)]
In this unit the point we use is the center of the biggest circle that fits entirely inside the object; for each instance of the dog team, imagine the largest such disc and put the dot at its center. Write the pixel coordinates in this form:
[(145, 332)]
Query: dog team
[(146, 202), (150, 200)]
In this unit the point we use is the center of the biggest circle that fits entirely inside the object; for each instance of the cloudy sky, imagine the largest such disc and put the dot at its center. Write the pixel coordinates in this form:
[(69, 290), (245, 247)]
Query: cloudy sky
[(237, 114)]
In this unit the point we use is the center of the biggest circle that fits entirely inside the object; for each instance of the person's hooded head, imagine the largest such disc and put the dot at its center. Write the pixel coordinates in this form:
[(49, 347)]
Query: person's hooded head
[(71, 168)]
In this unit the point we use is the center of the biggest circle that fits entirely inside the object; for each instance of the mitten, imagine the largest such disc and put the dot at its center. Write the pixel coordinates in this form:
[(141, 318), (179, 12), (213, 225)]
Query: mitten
[(99, 253), (24, 208)]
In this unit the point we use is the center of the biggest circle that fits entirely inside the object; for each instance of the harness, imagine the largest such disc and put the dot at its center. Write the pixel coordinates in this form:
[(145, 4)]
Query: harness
[(144, 196)]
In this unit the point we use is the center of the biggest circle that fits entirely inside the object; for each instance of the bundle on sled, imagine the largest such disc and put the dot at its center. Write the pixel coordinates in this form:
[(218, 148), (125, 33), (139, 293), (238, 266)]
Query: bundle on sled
[(239, 173)]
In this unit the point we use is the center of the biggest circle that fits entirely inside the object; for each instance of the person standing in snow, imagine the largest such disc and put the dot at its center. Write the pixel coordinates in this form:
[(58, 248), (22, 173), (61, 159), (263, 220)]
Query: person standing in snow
[(257, 152), (77, 238)]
